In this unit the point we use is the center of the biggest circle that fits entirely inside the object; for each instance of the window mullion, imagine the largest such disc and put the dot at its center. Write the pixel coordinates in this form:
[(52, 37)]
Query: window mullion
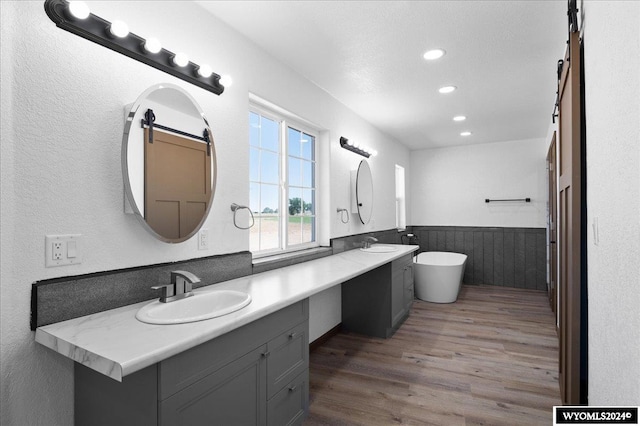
[(284, 187)]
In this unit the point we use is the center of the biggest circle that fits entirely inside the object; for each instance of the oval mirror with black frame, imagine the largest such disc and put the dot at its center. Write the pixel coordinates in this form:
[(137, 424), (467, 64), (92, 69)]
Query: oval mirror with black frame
[(364, 192), (168, 162)]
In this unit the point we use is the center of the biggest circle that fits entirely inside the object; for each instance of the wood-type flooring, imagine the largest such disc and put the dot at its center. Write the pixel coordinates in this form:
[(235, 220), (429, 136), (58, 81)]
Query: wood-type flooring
[(491, 358)]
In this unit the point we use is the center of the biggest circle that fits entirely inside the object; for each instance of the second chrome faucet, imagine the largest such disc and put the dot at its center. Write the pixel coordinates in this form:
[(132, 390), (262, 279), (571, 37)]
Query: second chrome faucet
[(366, 243), (181, 286)]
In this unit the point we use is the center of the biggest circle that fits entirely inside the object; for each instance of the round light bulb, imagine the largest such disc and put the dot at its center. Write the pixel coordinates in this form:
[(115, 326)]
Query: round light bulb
[(349, 143), (431, 55), (152, 45), (447, 89), (226, 80), (465, 134), (181, 59), (205, 71), (79, 9), (119, 29), (459, 118), (374, 153)]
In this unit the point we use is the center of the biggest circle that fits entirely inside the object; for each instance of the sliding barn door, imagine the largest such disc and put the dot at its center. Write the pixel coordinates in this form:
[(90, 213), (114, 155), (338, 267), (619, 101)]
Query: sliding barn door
[(177, 184), (569, 222), (553, 226)]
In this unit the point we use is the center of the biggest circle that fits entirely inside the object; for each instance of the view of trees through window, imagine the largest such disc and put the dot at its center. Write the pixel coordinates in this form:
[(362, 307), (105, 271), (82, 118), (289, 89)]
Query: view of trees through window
[(282, 167)]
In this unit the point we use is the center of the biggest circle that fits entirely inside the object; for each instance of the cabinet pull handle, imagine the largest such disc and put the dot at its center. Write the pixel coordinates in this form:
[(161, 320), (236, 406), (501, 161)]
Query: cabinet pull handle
[(293, 335), (266, 354), (292, 388)]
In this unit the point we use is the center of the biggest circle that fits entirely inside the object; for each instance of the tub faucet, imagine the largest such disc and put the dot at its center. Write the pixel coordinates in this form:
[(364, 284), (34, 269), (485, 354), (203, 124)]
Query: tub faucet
[(181, 286), (368, 241)]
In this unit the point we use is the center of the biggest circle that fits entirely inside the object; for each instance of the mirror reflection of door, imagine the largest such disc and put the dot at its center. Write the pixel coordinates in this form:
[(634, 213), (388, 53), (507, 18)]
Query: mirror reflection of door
[(177, 183)]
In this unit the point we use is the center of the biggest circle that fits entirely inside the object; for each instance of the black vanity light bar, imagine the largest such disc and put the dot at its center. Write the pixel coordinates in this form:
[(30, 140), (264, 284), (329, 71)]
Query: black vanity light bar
[(362, 150), (76, 19)]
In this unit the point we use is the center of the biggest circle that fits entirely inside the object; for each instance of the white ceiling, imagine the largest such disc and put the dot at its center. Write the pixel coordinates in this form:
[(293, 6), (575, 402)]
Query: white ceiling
[(501, 55)]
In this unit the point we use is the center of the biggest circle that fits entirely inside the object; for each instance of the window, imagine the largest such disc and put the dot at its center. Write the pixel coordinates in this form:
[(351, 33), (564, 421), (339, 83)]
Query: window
[(401, 215), (282, 183)]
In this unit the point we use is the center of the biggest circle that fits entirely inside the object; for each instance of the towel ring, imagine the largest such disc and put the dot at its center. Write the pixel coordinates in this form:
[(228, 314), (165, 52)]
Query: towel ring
[(234, 208), (342, 212)]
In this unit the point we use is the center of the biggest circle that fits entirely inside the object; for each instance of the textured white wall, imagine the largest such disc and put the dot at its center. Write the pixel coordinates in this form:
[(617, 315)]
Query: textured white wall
[(62, 122), (449, 185), (612, 81)]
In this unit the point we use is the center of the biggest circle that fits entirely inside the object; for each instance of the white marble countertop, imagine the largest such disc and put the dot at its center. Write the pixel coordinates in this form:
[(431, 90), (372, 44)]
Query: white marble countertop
[(116, 344)]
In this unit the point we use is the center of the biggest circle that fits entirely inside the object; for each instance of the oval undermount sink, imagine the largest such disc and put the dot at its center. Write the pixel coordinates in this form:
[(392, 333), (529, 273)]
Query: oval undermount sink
[(380, 248), (199, 307)]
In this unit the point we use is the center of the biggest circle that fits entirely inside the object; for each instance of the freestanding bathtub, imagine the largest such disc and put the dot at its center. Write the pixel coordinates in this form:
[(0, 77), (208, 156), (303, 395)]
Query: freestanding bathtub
[(438, 275)]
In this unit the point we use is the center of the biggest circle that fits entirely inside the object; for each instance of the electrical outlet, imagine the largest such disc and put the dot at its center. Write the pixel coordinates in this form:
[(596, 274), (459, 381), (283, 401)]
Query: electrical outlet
[(203, 239), (61, 250), (56, 253)]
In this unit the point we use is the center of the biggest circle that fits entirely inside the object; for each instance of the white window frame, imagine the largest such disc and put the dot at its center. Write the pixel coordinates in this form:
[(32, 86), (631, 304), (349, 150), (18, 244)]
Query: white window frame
[(401, 204), (287, 120)]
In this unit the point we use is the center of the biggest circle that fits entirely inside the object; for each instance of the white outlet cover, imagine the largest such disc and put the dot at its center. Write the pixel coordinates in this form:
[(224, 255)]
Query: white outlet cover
[(203, 239), (50, 262)]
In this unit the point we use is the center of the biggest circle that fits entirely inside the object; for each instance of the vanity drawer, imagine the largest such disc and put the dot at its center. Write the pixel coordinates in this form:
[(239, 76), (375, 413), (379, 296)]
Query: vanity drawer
[(188, 367), (291, 405), (288, 357)]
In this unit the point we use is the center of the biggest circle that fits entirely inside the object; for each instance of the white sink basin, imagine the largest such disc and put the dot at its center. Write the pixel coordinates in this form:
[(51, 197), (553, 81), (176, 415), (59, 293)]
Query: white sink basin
[(379, 248), (199, 307)]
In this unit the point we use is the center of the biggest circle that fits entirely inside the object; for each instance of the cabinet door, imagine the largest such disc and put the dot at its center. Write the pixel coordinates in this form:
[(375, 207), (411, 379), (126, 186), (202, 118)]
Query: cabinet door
[(233, 395), (288, 356), (408, 288), (397, 297)]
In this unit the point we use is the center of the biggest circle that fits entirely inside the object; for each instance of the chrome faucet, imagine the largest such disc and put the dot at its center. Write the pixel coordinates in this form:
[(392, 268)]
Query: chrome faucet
[(368, 241), (181, 286)]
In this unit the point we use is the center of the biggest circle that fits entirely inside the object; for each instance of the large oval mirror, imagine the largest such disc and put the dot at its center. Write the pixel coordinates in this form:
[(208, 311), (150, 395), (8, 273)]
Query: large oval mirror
[(168, 162), (364, 192)]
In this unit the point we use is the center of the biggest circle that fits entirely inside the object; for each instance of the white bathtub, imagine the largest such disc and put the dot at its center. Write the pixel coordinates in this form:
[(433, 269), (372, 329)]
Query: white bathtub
[(438, 275)]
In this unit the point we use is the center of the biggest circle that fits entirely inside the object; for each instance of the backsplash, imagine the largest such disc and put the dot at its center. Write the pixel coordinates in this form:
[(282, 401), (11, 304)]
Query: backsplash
[(508, 257), (60, 299), (389, 236)]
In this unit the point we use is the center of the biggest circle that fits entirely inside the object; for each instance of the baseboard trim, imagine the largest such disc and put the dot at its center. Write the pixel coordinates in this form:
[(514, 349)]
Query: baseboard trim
[(326, 336)]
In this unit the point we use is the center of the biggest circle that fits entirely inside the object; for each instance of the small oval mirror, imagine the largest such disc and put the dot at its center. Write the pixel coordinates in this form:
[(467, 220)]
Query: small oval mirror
[(168, 162), (364, 192)]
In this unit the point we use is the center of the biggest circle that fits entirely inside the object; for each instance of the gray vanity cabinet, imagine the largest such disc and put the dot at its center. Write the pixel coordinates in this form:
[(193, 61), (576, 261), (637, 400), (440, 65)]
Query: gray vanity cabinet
[(398, 311), (233, 395), (407, 279), (377, 302), (255, 375)]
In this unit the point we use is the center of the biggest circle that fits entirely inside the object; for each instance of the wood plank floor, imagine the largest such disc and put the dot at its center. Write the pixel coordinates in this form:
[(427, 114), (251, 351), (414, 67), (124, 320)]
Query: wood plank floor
[(491, 358)]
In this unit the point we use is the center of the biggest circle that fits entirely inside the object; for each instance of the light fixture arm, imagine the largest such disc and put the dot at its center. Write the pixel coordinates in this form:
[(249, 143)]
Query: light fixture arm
[(96, 29)]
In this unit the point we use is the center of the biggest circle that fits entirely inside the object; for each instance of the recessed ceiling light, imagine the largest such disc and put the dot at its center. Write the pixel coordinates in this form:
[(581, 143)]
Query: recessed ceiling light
[(431, 55), (459, 118), (465, 134), (447, 89)]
